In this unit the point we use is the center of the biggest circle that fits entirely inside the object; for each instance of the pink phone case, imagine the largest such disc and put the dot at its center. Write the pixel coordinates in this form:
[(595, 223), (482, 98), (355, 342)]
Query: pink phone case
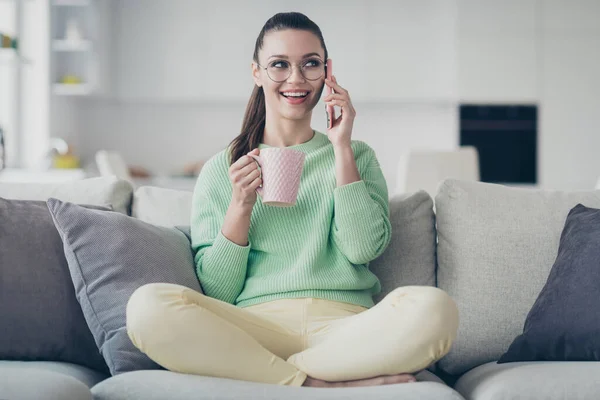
[(329, 109)]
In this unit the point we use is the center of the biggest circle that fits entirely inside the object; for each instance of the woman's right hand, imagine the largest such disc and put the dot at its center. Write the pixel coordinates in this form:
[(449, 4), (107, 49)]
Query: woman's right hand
[(245, 179)]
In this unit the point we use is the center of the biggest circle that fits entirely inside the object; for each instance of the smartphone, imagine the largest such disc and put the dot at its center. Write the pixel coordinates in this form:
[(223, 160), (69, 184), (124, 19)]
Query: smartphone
[(329, 109)]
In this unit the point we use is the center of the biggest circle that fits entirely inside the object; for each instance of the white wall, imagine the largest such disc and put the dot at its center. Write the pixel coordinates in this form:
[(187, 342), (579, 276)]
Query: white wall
[(179, 76), (164, 137), (188, 50)]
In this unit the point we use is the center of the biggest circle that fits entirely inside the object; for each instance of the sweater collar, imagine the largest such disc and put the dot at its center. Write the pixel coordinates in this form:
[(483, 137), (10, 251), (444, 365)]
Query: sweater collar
[(318, 140)]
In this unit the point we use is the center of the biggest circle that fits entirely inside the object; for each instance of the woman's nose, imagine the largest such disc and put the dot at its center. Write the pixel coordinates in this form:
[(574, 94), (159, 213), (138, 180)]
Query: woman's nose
[(296, 74)]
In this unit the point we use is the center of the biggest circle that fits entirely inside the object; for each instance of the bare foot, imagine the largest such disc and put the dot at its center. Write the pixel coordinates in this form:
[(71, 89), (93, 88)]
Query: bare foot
[(378, 380)]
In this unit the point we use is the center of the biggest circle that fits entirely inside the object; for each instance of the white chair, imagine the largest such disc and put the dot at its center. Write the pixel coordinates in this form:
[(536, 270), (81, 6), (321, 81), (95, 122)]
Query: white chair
[(425, 169), (111, 163)]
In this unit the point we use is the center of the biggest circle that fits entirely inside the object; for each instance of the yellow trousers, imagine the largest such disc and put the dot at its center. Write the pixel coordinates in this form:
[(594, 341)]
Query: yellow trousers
[(283, 341)]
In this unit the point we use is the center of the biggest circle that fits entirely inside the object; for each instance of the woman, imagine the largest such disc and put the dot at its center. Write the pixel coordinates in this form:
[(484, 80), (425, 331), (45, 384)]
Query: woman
[(287, 291)]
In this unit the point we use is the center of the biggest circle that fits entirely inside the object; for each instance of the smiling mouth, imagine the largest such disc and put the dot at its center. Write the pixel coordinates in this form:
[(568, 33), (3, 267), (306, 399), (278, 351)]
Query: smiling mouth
[(295, 95)]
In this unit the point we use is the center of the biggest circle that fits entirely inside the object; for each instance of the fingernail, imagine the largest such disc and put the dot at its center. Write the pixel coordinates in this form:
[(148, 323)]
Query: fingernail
[(412, 380)]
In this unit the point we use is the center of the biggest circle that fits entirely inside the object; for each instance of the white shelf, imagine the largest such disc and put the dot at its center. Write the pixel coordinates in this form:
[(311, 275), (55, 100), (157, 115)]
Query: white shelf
[(71, 3), (7, 55), (73, 54), (67, 89), (11, 56), (66, 45)]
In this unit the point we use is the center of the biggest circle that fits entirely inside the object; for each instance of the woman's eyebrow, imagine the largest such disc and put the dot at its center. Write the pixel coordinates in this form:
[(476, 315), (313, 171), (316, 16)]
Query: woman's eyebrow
[(304, 56)]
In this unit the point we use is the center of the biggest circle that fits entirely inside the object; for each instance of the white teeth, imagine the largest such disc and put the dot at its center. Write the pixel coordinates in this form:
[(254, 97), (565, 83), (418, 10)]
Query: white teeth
[(295, 94)]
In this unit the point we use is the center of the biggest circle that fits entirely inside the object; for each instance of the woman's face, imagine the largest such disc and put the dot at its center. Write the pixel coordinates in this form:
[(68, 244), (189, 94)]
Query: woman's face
[(285, 51)]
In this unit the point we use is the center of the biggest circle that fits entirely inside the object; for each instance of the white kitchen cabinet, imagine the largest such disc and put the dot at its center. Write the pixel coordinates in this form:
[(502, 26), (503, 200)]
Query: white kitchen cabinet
[(161, 49), (498, 44), (570, 94), (411, 53)]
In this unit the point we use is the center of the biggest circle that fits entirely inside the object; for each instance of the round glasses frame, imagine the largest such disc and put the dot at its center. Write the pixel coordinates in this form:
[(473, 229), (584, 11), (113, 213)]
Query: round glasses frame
[(301, 72)]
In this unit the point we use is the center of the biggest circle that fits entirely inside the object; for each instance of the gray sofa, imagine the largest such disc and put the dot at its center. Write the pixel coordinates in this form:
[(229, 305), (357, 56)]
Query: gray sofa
[(490, 247)]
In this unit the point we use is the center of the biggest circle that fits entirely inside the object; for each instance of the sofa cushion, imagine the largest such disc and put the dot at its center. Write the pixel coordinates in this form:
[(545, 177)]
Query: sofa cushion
[(110, 255), (164, 207), (564, 322), (34, 384), (410, 257), (101, 191), (160, 385), (85, 375), (496, 245), (531, 380), (40, 316)]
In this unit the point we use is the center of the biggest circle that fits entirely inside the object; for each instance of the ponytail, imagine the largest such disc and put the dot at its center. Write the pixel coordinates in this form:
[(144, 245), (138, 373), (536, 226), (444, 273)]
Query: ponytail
[(253, 127)]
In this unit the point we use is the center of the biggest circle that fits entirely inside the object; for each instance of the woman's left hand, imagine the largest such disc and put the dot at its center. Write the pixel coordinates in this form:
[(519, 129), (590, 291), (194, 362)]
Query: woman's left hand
[(341, 131)]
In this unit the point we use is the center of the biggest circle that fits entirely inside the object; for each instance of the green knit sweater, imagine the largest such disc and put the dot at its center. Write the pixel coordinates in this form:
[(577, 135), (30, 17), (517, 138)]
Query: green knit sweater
[(321, 247)]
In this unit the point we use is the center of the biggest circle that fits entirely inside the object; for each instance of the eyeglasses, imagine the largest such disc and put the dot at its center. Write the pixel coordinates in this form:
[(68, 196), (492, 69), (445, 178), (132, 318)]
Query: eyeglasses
[(280, 70)]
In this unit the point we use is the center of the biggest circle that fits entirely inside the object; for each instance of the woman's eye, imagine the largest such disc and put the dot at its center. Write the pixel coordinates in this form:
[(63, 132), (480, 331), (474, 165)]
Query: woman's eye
[(312, 63), (279, 64)]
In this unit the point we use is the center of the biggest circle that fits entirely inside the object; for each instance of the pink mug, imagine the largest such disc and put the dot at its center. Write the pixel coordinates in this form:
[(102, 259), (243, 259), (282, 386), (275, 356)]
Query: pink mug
[(281, 170)]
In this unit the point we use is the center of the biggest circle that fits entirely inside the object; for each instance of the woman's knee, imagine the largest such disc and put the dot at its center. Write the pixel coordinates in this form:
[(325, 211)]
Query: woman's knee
[(432, 301), (149, 305)]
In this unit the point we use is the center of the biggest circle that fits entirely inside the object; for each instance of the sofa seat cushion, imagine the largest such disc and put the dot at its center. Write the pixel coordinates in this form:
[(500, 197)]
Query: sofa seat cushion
[(531, 380), (160, 385), (87, 376), (18, 382)]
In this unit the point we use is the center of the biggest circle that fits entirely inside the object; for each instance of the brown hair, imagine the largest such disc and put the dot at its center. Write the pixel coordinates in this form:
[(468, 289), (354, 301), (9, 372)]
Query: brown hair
[(254, 119)]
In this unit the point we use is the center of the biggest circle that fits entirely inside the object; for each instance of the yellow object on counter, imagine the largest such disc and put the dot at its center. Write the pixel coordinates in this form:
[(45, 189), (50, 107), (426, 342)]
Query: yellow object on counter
[(66, 161), (71, 80)]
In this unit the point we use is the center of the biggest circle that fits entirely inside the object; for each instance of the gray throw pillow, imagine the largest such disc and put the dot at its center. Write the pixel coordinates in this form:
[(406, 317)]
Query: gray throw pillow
[(40, 316), (564, 322), (110, 255)]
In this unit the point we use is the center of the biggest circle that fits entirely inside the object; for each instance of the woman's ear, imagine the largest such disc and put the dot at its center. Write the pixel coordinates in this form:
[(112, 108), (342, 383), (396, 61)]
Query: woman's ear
[(256, 74)]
